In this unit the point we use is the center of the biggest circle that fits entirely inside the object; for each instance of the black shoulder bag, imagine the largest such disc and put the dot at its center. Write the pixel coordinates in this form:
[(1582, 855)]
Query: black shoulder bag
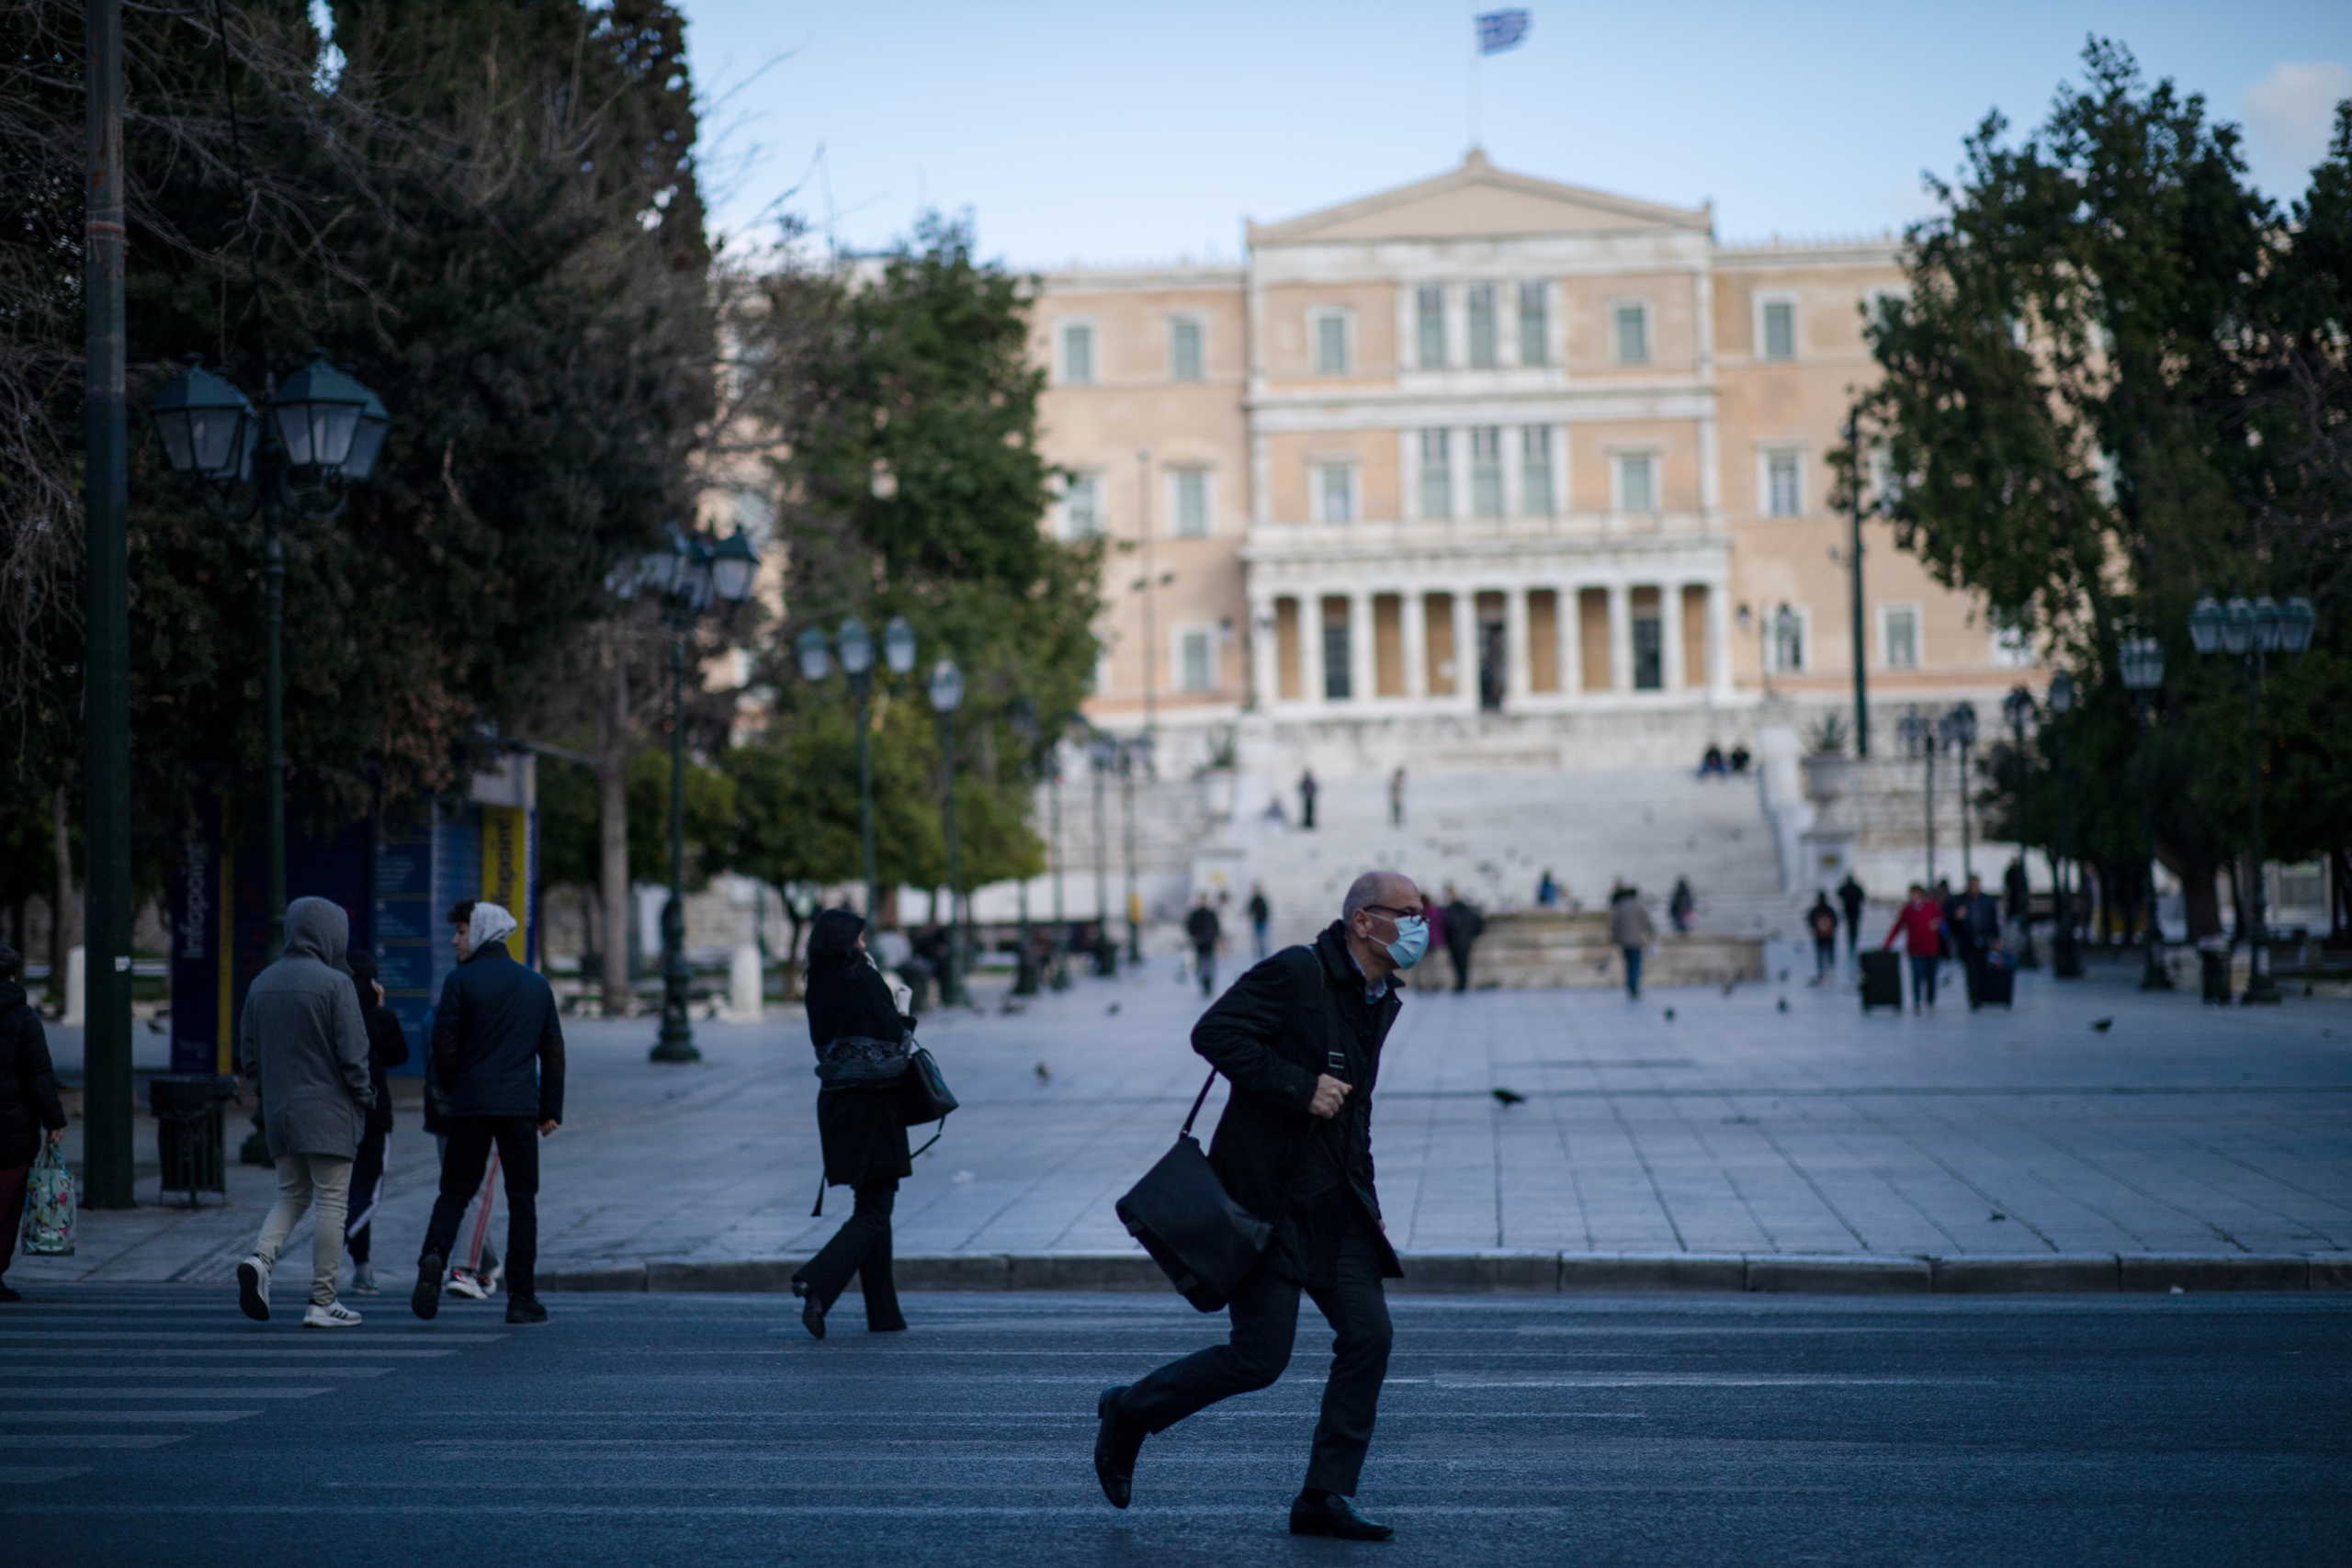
[(1200, 1238)]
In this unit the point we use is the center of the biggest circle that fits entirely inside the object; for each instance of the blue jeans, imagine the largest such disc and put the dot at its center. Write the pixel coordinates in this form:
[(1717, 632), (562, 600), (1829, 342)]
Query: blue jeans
[(1633, 970), (1923, 980)]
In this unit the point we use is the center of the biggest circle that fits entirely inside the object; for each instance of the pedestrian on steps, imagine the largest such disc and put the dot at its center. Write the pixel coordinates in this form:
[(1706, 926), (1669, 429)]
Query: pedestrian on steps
[(387, 1049), (1308, 789), (1463, 925), (1631, 929), (1821, 923), (1261, 913), (1206, 933), (498, 1057), (1397, 797), (1680, 903), (1851, 897), (303, 1042), (31, 1110), (1299, 1038), (851, 1013)]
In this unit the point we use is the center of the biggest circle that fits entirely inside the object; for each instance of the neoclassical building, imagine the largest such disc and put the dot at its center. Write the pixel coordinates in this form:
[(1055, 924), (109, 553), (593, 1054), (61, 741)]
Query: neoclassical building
[(1488, 461)]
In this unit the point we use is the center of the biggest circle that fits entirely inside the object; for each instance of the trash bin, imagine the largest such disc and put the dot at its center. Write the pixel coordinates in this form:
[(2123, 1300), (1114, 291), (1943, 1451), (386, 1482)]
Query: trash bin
[(188, 1110)]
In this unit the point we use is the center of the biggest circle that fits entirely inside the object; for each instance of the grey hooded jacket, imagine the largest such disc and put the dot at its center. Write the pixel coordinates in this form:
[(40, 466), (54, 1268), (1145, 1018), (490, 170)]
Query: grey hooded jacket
[(302, 1039)]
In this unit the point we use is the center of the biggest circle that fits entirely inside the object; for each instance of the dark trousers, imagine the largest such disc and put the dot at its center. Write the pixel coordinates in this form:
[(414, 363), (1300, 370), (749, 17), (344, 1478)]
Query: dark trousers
[(13, 1181), (1265, 1324), (1205, 964), (1853, 930), (1971, 960), (1305, 811), (1825, 955), (1633, 970), (1460, 952), (1923, 981), (862, 1246), (367, 1186), (463, 1159)]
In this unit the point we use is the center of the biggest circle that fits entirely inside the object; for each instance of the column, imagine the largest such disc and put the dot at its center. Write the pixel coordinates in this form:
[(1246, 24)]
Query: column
[(1265, 677), (1310, 647), (1361, 668), (1465, 649), (1413, 630), (1719, 640), (1517, 677), (1621, 638), (1669, 627), (1570, 627)]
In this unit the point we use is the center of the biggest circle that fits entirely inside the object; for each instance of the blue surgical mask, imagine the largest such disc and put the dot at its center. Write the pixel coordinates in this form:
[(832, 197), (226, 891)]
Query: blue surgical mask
[(1413, 940)]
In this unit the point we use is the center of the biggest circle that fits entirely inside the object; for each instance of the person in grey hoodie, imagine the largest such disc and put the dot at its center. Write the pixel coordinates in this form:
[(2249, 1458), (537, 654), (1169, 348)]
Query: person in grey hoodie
[(303, 1043)]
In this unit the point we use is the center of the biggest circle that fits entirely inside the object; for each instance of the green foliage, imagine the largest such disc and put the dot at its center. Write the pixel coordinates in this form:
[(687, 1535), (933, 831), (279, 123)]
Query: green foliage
[(2117, 385), (570, 845), (709, 820)]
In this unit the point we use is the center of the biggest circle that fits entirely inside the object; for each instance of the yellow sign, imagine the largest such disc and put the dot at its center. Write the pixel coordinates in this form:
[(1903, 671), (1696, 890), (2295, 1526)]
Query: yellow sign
[(506, 868)]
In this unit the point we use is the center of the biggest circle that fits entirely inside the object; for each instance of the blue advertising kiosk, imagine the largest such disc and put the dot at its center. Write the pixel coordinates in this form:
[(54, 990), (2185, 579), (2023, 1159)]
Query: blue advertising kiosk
[(396, 875)]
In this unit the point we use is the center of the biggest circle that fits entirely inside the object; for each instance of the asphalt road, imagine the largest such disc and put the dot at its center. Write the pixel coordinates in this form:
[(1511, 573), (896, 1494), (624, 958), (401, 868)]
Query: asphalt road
[(151, 1426)]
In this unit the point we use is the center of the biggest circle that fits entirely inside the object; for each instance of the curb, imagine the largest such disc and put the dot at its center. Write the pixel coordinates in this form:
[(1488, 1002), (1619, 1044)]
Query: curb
[(1564, 1273)]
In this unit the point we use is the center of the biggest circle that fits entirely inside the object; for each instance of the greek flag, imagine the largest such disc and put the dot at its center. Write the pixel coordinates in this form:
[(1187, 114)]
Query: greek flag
[(1499, 30)]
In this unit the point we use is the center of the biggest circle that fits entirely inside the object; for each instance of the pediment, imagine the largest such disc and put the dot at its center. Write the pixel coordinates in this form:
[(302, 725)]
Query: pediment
[(1477, 200)]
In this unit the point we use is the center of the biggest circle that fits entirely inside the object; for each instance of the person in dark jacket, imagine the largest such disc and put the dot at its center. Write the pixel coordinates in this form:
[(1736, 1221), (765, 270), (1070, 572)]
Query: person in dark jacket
[(498, 1064), (31, 1108), (387, 1049), (1299, 1038), (301, 1042), (1261, 912), (1462, 928), (1821, 924), (1849, 898), (1206, 934), (1973, 922), (863, 1139)]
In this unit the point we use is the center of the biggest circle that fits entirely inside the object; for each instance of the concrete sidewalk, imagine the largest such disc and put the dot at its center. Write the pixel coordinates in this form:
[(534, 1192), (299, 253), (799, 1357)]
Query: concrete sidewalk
[(1692, 1140)]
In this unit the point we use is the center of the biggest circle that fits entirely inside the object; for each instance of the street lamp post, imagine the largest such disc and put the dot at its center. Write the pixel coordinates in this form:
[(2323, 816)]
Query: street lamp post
[(1958, 730), (1854, 590), (1023, 719), (2017, 708), (688, 575), (946, 696), (856, 647), (2143, 673), (322, 434), (1103, 755), (2253, 631), (1918, 736), (2066, 959), (1132, 754), (1058, 946)]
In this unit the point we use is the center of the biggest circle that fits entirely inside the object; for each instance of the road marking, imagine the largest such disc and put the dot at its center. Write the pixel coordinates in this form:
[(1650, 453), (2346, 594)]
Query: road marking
[(281, 1348), (72, 1392), (308, 1372), (124, 1418), (38, 1474), (1096, 1509), (148, 1335), (85, 1441)]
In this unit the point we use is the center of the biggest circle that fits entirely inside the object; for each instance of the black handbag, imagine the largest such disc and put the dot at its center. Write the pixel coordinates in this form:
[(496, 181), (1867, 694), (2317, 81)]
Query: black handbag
[(1203, 1241), (923, 1094)]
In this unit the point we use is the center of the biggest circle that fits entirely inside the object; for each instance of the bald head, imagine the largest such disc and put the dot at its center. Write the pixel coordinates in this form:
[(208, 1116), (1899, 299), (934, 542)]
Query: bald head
[(1393, 888)]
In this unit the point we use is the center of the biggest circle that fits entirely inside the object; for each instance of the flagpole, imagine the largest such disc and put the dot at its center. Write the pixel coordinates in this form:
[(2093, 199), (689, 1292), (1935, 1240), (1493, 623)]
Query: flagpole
[(1474, 72)]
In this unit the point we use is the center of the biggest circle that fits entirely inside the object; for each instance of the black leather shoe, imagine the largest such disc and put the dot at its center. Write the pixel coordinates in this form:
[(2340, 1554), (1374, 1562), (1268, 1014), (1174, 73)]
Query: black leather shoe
[(1117, 1441), (1327, 1513), (812, 1310), (425, 1300), (525, 1308)]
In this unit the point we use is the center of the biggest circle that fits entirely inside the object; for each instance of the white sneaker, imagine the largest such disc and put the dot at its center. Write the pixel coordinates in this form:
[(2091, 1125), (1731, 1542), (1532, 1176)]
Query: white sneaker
[(253, 1289), (334, 1314), (467, 1286)]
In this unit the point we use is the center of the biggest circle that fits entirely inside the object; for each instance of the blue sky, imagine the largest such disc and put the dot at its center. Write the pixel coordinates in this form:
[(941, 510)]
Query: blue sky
[(1147, 130)]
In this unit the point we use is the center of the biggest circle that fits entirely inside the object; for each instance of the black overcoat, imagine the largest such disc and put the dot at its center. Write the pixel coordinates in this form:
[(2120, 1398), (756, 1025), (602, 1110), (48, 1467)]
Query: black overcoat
[(859, 1128), (28, 1098), (1297, 1015)]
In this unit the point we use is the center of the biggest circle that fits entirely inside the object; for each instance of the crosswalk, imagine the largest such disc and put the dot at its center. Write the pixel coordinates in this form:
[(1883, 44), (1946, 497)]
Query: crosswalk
[(87, 1371)]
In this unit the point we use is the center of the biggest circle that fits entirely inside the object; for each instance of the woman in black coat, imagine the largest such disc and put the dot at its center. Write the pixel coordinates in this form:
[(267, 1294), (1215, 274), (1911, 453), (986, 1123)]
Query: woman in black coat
[(865, 1141)]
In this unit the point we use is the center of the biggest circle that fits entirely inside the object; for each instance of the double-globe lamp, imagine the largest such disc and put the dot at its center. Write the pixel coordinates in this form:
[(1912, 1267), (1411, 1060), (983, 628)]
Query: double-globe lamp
[(855, 648)]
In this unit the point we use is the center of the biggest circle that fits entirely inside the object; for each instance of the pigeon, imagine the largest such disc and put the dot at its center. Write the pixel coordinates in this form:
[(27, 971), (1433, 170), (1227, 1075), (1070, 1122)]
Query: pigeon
[(2101, 1025), (1508, 1095), (1669, 1015), (1784, 1004), (1112, 1008), (1997, 1216), (1045, 1074), (1731, 984)]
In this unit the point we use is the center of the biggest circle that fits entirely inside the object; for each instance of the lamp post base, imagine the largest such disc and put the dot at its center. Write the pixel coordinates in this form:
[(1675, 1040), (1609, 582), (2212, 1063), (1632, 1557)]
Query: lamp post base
[(2065, 960), (678, 1047), (2155, 976), (2261, 990)]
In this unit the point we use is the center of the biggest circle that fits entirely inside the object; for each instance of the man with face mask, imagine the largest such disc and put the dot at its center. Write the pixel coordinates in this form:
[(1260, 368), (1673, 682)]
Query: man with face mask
[(1299, 1038)]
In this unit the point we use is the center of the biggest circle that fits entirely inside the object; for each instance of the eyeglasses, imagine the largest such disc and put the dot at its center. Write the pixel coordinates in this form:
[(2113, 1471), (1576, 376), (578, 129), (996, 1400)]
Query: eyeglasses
[(1393, 912)]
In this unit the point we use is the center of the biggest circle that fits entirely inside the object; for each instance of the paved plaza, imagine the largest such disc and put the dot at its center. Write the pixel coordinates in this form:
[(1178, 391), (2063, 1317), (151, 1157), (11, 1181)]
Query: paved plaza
[(1711, 1139)]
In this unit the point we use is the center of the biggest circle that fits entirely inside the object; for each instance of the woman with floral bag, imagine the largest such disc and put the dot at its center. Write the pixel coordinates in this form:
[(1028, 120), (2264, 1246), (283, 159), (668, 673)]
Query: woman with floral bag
[(30, 1106)]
